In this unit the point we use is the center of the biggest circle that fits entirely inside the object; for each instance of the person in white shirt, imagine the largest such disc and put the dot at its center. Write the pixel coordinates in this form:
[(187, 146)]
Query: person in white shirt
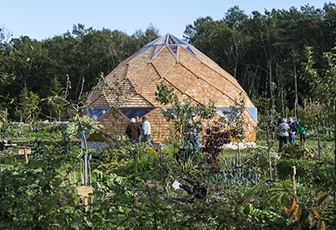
[(146, 128)]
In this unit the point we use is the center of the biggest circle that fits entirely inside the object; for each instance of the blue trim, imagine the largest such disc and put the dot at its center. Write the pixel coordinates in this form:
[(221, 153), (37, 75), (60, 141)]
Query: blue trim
[(254, 113), (98, 112)]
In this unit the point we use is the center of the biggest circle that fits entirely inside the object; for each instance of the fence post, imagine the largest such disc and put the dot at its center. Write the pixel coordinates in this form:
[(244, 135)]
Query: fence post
[(319, 148), (85, 168), (335, 181), (294, 173), (161, 162), (135, 164)]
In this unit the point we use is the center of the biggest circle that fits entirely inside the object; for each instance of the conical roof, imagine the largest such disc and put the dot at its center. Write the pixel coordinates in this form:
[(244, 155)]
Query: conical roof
[(172, 42), (177, 64)]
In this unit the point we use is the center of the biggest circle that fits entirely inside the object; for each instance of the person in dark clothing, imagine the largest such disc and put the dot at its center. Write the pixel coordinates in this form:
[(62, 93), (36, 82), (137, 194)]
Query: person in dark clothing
[(133, 131), (138, 122)]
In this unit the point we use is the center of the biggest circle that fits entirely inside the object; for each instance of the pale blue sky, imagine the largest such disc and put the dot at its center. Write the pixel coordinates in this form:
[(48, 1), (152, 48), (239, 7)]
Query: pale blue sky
[(41, 19)]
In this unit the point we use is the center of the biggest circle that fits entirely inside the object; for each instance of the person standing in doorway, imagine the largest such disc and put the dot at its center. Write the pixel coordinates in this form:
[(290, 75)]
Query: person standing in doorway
[(146, 129)]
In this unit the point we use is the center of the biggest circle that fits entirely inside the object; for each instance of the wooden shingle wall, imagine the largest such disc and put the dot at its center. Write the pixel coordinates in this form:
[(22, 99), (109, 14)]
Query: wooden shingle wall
[(250, 131), (138, 62), (111, 126), (163, 61), (149, 92), (159, 125), (203, 92), (100, 102), (97, 137), (248, 102), (180, 77), (137, 101), (117, 76), (94, 95), (189, 61), (143, 77), (207, 61), (213, 78), (128, 93)]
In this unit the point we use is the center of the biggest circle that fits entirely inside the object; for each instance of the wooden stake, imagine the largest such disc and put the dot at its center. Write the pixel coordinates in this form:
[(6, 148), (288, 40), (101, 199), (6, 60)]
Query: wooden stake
[(84, 192), (26, 155), (294, 172)]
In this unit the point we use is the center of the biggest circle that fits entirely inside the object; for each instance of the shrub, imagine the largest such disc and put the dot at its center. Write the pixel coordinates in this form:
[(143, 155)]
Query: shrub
[(315, 173), (296, 151), (172, 141), (8, 159), (258, 159), (214, 141)]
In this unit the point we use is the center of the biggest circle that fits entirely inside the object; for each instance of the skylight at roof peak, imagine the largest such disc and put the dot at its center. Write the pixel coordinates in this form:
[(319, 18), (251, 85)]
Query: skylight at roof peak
[(164, 40)]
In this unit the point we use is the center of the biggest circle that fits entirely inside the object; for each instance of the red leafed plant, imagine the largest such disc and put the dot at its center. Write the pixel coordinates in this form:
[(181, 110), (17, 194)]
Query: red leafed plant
[(214, 141)]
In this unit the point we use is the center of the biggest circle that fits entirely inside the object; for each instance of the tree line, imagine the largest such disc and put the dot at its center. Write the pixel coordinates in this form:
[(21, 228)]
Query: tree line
[(265, 52)]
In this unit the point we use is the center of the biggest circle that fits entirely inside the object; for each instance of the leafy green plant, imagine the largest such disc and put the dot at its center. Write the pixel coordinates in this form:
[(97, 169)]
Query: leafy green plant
[(258, 158), (298, 215), (113, 157), (180, 112), (171, 140), (237, 177), (8, 129), (37, 196), (188, 167), (296, 151), (9, 159)]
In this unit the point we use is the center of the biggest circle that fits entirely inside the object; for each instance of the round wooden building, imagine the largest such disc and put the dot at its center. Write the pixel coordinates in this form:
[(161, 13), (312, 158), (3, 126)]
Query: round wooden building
[(177, 64)]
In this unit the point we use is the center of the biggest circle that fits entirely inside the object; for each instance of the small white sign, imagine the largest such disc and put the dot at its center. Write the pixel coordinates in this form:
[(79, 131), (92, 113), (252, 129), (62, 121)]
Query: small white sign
[(176, 185)]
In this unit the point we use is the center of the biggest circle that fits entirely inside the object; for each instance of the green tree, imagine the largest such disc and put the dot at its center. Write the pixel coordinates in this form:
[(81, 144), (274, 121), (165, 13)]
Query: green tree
[(234, 121), (180, 112), (235, 17), (28, 105), (324, 85), (210, 37)]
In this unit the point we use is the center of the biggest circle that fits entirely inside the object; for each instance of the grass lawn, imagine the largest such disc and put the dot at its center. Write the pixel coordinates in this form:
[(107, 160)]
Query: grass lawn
[(326, 146)]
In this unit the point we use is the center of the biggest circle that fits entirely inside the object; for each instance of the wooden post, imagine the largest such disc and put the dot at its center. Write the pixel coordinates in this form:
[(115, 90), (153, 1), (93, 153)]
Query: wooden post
[(275, 171), (319, 148), (26, 156), (270, 162), (161, 162), (294, 173), (135, 167), (335, 170), (25, 152), (84, 191), (85, 168)]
